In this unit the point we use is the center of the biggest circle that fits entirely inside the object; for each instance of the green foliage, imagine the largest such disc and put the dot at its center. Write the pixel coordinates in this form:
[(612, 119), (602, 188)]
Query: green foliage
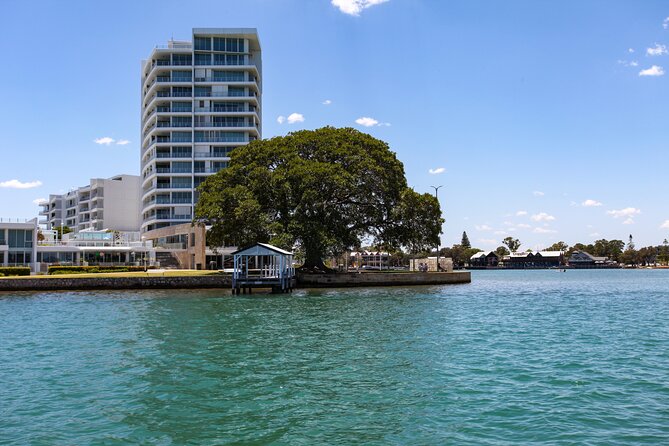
[(55, 269), (60, 230), (559, 246), (15, 271), (414, 224), (512, 243), (465, 240), (459, 254), (501, 251), (320, 191), (605, 248)]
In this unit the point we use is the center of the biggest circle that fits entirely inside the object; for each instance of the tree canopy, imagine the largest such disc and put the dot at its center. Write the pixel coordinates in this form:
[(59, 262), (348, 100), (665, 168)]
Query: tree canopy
[(512, 243), (465, 240), (321, 191)]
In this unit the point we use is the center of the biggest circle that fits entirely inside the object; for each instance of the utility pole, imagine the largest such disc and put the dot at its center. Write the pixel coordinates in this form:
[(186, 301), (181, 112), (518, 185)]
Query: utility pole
[(436, 195)]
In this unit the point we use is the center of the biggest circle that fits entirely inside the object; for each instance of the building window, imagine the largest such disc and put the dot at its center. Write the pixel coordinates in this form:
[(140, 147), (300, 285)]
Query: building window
[(202, 59), (182, 59), (182, 76), (202, 43), (20, 238)]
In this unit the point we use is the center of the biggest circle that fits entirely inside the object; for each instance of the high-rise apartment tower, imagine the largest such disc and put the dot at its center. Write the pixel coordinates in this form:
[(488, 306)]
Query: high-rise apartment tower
[(200, 100)]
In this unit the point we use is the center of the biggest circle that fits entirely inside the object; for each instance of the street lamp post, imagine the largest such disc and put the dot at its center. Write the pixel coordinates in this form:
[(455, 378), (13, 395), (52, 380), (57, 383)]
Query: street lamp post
[(436, 195)]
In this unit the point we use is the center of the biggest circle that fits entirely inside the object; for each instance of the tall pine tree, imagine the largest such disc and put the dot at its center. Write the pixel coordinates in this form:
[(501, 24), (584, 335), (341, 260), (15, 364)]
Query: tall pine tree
[(465, 241)]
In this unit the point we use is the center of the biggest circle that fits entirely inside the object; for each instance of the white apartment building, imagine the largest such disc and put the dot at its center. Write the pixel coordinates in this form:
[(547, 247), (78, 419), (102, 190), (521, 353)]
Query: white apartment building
[(111, 203), (200, 100)]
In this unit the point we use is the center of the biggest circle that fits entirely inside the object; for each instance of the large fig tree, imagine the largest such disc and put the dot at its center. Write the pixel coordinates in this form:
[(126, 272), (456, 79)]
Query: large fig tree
[(320, 191)]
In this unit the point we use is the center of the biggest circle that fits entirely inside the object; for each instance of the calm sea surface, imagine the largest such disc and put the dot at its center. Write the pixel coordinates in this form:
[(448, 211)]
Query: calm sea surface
[(537, 357)]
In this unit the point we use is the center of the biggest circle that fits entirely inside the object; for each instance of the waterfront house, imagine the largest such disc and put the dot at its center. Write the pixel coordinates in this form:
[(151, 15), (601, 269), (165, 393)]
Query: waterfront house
[(534, 259), (582, 259), (484, 260)]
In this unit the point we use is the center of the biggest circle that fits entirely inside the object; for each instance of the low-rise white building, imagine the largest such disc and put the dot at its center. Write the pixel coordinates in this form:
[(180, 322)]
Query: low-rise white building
[(18, 242)]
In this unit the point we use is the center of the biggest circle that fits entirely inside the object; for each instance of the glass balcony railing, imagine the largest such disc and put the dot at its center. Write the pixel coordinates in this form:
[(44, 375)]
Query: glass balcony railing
[(173, 170), (224, 124), (212, 155)]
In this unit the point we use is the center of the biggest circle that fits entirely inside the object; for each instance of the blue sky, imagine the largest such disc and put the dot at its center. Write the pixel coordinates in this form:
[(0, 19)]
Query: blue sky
[(548, 119)]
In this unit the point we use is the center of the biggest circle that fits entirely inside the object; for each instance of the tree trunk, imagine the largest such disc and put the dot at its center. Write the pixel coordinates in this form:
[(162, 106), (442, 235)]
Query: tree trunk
[(313, 262)]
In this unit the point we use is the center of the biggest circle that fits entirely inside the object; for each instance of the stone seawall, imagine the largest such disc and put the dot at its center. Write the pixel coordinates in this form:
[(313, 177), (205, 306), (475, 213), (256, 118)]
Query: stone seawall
[(192, 282), (114, 283), (381, 279)]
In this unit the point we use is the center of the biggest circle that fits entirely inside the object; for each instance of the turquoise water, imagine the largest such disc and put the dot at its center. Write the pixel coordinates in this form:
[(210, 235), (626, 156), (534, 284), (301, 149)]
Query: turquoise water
[(537, 357)]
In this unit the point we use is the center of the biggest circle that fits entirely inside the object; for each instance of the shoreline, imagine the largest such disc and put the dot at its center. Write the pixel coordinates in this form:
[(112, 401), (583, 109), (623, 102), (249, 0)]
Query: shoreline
[(220, 281)]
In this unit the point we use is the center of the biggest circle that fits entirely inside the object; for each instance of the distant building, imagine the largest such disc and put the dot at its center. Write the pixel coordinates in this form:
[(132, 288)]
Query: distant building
[(536, 259), (484, 260), (582, 259), (369, 259), (105, 203)]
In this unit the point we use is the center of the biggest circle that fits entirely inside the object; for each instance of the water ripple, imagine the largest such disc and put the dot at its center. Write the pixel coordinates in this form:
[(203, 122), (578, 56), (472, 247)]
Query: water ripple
[(514, 358)]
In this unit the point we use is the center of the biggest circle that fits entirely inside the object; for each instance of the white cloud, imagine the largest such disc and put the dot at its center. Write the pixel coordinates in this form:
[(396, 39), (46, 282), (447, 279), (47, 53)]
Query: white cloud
[(542, 216), (122, 142), (487, 241), (16, 184), (652, 71), (665, 23), (591, 203), (40, 201), (544, 231), (524, 226), (630, 50), (665, 225), (295, 117), (437, 171), (326, 102), (355, 7), (105, 140), (521, 213), (627, 212), (594, 234), (537, 193), (657, 50), (629, 221), (483, 228), (281, 119), (366, 121), (500, 232), (632, 63)]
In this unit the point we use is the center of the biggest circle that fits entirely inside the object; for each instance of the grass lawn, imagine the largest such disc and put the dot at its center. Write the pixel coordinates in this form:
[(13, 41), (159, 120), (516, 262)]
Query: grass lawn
[(149, 273)]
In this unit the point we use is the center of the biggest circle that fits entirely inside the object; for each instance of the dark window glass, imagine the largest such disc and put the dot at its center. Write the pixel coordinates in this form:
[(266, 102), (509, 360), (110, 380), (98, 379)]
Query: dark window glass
[(202, 43)]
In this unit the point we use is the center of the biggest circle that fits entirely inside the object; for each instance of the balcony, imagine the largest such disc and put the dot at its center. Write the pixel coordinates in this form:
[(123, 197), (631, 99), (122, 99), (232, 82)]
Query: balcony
[(224, 94), (173, 155), (213, 155), (173, 186), (171, 217), (173, 170), (209, 170), (222, 79), (223, 110), (225, 124)]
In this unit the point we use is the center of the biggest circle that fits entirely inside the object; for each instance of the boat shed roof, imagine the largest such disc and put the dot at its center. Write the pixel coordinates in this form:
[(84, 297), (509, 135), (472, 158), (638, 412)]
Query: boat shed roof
[(262, 249)]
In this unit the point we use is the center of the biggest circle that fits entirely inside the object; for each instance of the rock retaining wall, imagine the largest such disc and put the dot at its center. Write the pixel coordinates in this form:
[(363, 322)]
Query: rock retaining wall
[(381, 279), (114, 283)]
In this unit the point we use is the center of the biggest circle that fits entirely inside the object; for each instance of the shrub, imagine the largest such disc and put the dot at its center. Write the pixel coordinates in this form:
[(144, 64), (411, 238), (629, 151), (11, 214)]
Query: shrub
[(15, 271), (93, 269)]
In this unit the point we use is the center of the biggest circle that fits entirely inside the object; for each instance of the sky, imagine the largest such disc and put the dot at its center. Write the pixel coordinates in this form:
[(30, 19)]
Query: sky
[(544, 121)]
